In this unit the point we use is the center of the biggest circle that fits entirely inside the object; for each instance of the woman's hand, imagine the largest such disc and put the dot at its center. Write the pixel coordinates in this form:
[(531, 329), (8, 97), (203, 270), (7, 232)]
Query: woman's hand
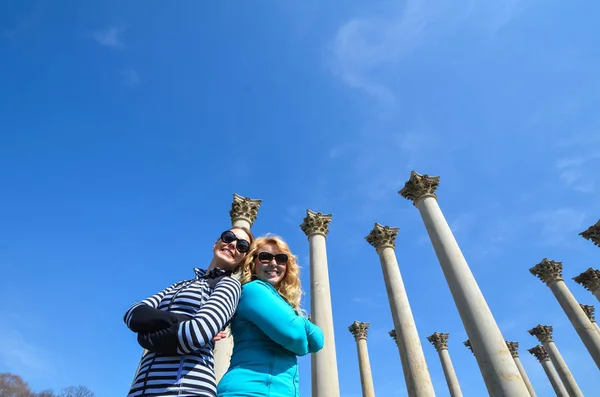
[(221, 335)]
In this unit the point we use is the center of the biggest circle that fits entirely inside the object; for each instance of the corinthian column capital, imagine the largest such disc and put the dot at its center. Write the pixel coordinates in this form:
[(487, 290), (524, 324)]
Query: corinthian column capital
[(316, 223), (420, 186), (468, 344), (589, 311), (590, 279), (592, 233), (439, 341), (382, 236), (540, 353), (548, 271), (244, 208), (513, 347), (359, 330), (542, 332), (392, 333)]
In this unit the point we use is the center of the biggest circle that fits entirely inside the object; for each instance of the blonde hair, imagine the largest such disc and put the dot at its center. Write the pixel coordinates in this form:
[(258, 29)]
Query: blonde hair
[(289, 287)]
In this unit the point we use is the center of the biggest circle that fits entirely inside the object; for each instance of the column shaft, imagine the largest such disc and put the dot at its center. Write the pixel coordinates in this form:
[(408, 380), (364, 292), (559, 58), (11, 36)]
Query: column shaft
[(366, 377), (327, 383), (557, 385), (313, 375), (449, 373), (584, 327), (222, 354), (597, 327), (563, 370), (597, 294), (500, 373), (416, 373), (525, 377)]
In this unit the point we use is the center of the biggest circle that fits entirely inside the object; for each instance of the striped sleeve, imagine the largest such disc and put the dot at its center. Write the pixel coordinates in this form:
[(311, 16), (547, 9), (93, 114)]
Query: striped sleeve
[(152, 301), (211, 318)]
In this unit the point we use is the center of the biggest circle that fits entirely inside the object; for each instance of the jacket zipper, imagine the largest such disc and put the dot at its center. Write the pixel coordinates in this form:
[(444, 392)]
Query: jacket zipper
[(154, 358)]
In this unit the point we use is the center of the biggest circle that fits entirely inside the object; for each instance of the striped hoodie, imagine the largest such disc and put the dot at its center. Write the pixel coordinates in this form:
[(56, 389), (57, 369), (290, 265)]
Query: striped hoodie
[(177, 327)]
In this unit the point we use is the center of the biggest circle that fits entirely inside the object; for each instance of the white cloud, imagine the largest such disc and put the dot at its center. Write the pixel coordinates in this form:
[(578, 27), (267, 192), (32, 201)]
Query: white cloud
[(109, 37), (577, 172), (556, 226), (130, 76), (364, 47), (27, 22), (20, 355)]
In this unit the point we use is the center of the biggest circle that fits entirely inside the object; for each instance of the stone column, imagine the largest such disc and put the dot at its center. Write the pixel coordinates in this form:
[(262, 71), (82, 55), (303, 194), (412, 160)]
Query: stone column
[(416, 373), (513, 347), (550, 272), (540, 353), (592, 234), (360, 330), (440, 342), (544, 334), (243, 213), (590, 280), (316, 227), (496, 364), (589, 311)]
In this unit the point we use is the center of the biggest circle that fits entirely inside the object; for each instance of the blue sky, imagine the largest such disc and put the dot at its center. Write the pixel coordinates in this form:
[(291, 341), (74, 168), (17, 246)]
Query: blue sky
[(125, 129)]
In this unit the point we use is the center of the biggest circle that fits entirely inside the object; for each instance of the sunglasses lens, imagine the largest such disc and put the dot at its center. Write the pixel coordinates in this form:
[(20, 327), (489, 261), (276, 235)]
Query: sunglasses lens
[(265, 257), (243, 246), (227, 237)]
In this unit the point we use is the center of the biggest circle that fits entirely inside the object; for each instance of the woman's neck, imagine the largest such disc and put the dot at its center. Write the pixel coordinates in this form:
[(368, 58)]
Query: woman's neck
[(213, 264)]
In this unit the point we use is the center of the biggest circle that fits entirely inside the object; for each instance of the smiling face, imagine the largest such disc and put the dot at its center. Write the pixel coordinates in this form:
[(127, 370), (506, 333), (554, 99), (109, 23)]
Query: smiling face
[(226, 254), (270, 271)]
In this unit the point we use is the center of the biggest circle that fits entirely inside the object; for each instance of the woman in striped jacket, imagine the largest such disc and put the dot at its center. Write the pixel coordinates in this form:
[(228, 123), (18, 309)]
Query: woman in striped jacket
[(177, 326)]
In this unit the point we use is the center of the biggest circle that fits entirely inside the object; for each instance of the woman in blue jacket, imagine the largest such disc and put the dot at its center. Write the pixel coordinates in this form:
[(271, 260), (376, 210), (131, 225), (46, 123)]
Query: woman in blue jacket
[(268, 328)]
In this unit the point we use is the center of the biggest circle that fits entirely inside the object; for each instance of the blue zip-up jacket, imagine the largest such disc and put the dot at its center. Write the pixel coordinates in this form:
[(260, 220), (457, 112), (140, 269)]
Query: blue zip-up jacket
[(268, 336)]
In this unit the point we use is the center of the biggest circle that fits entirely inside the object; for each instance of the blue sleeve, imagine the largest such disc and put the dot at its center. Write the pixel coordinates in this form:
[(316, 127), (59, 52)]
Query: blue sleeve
[(315, 337), (275, 318)]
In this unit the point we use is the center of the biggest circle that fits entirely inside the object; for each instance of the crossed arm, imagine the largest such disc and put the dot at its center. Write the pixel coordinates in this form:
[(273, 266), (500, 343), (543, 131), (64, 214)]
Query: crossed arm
[(171, 333), (275, 318)]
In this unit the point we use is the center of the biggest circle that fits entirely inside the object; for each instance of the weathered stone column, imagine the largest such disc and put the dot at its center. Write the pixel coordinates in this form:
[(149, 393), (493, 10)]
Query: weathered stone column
[(316, 227), (590, 280), (513, 347), (440, 342), (589, 311), (544, 334), (540, 353), (592, 234), (496, 364), (243, 213), (550, 272), (360, 330), (416, 373)]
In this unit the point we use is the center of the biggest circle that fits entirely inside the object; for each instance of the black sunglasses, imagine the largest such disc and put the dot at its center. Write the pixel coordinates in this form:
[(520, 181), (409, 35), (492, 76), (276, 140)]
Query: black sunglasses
[(242, 245), (266, 257)]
